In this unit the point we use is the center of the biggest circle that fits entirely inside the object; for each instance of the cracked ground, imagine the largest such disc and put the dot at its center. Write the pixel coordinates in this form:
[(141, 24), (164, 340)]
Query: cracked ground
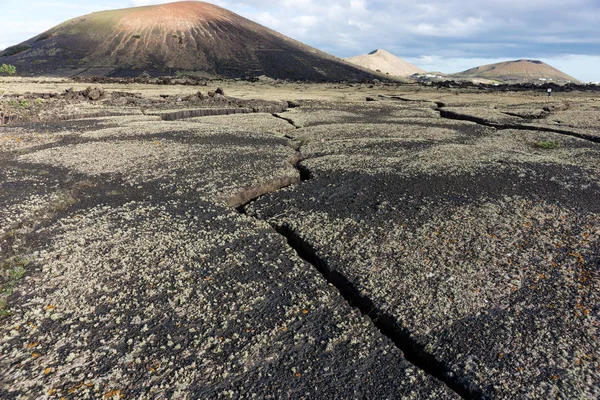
[(427, 245)]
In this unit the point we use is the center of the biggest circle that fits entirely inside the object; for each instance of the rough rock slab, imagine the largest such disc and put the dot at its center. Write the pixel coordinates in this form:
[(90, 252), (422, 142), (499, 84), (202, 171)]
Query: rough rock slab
[(189, 300), (579, 120), (139, 281), (477, 243)]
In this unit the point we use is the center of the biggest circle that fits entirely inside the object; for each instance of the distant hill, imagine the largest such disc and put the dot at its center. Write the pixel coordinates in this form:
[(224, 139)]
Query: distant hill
[(387, 63), (517, 71), (187, 36)]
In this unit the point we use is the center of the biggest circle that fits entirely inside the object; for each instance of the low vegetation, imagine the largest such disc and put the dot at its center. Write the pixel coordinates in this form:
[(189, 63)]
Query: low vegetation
[(11, 271), (8, 69), (547, 145), (11, 51), (19, 105), (43, 36), (13, 109)]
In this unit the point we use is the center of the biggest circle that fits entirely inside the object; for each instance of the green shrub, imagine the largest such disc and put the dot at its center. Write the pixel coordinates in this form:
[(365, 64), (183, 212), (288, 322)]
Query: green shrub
[(548, 145), (43, 36), (136, 36), (11, 271), (20, 105), (8, 69), (3, 311), (11, 51)]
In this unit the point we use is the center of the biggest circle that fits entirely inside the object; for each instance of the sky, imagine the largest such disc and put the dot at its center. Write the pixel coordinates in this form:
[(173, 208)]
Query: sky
[(439, 35)]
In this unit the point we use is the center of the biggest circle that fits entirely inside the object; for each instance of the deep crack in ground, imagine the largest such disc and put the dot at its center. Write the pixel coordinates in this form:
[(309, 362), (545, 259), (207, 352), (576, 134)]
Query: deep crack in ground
[(388, 325), (446, 114)]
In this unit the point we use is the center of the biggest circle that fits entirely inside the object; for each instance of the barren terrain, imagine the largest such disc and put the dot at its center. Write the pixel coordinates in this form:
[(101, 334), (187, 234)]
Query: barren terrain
[(282, 240)]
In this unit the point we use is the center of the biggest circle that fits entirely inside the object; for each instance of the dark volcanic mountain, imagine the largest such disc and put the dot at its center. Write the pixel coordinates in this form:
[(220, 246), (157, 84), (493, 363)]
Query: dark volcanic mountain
[(186, 36), (518, 71)]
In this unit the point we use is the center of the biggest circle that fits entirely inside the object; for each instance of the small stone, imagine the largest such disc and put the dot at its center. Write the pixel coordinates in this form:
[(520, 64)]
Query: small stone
[(95, 94)]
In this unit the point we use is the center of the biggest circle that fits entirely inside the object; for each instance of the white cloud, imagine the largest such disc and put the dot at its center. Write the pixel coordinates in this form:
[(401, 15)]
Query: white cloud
[(554, 39), (54, 4), (427, 60), (358, 4), (360, 25), (306, 23), (452, 28), (301, 4), (138, 3), (268, 19)]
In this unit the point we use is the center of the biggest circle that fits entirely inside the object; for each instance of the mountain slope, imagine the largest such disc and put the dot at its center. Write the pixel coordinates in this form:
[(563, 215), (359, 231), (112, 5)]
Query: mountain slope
[(517, 71), (387, 63), (181, 36)]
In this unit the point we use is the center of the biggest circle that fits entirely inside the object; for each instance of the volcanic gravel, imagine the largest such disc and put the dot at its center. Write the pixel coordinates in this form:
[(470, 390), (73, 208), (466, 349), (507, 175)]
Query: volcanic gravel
[(477, 241), (140, 282), (469, 245)]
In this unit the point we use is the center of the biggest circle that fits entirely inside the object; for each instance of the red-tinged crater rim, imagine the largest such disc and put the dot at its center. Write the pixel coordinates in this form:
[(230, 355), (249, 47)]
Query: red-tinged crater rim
[(176, 15)]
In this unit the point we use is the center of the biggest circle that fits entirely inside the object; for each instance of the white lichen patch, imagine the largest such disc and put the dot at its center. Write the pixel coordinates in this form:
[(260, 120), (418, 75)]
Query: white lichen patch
[(18, 138), (243, 126), (578, 116), (303, 117), (123, 119), (417, 130), (145, 298), (485, 113), (109, 157), (421, 112), (143, 126), (215, 172), (257, 123), (509, 146), (32, 210)]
